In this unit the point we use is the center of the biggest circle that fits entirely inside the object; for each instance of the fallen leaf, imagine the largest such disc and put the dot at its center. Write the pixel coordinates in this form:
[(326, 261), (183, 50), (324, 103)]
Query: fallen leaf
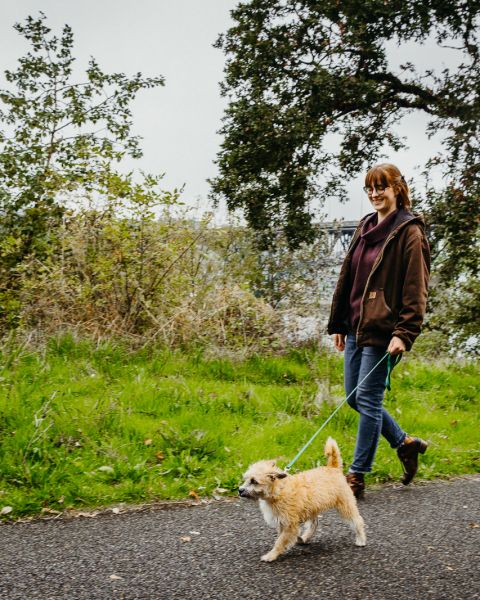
[(115, 511), (474, 525), (193, 494), (105, 469), (147, 442), (186, 538), (115, 577), (450, 568), (50, 511), (194, 532), (160, 456), (6, 510), (89, 515), (61, 500)]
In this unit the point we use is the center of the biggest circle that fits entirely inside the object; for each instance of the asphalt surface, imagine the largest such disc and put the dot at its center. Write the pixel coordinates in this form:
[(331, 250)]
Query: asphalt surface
[(423, 543)]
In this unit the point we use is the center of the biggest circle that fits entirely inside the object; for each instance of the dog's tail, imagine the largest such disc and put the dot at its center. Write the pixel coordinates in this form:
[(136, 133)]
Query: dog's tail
[(333, 453)]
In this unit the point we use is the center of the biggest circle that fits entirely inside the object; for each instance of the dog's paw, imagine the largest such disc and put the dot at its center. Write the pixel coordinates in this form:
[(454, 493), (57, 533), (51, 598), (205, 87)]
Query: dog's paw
[(269, 557), (361, 542)]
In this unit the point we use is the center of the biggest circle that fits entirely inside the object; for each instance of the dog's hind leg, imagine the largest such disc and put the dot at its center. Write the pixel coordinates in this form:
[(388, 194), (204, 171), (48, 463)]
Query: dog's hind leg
[(308, 531), (349, 512), (287, 538)]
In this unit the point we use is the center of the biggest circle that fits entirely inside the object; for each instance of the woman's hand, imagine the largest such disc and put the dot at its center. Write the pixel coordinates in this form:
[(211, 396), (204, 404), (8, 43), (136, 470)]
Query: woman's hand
[(339, 341), (396, 346)]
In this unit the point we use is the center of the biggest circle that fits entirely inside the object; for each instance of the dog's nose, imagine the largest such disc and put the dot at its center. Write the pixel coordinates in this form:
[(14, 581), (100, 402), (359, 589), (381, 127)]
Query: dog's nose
[(240, 491)]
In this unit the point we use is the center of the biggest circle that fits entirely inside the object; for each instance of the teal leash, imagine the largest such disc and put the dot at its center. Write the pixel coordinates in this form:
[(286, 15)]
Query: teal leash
[(391, 362)]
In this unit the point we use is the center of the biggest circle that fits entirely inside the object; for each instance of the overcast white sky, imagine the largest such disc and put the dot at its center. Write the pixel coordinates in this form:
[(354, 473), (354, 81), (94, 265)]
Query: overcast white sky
[(178, 122)]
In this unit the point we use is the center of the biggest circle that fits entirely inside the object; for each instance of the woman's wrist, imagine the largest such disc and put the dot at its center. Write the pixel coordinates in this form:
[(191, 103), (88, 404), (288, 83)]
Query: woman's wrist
[(396, 346)]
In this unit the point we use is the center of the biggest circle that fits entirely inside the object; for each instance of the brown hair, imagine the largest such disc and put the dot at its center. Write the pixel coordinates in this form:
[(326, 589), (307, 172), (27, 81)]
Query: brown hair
[(388, 175)]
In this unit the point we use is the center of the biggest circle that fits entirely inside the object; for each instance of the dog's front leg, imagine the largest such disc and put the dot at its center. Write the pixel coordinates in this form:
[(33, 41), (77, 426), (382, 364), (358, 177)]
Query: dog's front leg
[(288, 536)]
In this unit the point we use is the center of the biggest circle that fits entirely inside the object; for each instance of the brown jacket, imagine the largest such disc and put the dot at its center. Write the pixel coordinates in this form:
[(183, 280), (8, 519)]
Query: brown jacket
[(395, 296)]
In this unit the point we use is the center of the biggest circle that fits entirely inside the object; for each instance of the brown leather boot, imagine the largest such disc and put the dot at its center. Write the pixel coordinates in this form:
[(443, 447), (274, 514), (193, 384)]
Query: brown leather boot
[(356, 483), (408, 454)]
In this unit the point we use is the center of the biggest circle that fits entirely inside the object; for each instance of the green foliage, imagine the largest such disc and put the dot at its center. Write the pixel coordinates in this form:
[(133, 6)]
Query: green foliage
[(455, 237), (86, 425), (59, 135), (456, 315)]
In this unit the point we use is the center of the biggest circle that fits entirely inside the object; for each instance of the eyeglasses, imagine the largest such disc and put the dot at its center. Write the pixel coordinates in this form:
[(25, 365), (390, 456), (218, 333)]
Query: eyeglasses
[(378, 188)]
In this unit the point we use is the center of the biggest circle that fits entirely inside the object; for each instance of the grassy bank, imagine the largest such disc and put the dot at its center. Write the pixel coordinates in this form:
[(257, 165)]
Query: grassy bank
[(83, 426)]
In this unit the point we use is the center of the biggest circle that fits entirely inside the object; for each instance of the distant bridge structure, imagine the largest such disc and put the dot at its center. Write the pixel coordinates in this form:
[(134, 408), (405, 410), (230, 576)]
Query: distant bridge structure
[(339, 235)]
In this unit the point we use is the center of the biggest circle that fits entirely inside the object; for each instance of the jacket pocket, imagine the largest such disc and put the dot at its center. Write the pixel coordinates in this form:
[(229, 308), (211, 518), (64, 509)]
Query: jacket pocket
[(377, 315)]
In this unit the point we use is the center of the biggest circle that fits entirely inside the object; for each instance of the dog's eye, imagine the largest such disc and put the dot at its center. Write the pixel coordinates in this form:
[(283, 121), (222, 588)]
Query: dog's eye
[(253, 481)]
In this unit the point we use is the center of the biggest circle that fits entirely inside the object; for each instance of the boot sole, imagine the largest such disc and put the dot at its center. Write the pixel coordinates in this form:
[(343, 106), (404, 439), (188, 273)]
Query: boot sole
[(422, 447)]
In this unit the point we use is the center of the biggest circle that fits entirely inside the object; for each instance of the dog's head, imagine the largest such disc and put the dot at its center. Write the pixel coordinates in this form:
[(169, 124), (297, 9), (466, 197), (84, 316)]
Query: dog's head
[(260, 479)]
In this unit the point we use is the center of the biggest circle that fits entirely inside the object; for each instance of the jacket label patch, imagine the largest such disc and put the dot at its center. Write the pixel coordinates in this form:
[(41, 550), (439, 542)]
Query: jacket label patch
[(372, 295)]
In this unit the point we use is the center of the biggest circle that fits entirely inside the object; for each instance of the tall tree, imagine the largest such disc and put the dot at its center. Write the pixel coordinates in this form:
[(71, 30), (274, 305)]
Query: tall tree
[(300, 71), (58, 134)]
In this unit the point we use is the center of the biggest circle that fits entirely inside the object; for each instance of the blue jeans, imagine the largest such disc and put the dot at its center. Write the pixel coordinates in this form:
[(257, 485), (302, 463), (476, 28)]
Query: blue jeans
[(367, 401)]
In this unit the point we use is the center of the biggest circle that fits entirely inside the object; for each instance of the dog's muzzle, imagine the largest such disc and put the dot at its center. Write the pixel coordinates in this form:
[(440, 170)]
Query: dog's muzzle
[(243, 493)]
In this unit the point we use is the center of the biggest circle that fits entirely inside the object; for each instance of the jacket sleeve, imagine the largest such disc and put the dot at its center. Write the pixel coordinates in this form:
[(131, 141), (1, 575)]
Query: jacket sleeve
[(415, 286)]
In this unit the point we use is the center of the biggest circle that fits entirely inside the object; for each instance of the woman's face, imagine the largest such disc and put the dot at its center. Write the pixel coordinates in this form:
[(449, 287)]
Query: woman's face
[(383, 200)]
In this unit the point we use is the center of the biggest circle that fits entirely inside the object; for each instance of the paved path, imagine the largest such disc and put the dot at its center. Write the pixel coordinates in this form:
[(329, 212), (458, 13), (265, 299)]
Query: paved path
[(423, 543)]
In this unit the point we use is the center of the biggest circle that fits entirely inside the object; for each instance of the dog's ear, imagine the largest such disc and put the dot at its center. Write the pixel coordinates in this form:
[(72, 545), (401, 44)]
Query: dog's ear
[(274, 476)]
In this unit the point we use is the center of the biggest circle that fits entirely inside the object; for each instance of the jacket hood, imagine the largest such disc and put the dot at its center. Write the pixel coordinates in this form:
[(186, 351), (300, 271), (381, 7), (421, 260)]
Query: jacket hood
[(402, 217)]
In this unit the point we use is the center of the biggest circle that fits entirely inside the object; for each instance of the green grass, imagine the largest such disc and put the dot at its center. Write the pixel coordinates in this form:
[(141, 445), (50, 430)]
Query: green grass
[(84, 425)]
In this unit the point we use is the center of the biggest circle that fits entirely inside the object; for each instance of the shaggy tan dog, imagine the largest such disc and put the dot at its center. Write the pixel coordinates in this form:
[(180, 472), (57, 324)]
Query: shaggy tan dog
[(288, 501)]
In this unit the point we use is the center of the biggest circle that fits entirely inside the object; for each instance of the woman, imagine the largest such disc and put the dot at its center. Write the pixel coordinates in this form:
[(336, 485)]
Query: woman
[(378, 307)]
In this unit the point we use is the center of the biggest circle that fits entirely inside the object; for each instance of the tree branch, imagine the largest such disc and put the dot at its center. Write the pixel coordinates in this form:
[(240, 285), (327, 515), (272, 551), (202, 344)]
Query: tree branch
[(398, 85)]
